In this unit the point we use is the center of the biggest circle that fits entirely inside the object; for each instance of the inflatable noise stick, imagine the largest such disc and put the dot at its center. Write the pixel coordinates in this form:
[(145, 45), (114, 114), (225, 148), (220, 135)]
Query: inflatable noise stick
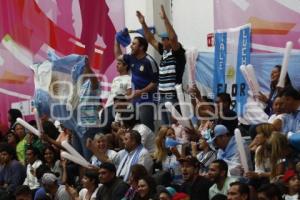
[(72, 151), (170, 142), (241, 149), (285, 63), (249, 75), (29, 127), (74, 159)]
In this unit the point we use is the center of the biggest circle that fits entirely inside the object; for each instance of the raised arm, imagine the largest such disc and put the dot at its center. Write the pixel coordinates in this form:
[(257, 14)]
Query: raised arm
[(117, 49), (169, 28), (148, 34)]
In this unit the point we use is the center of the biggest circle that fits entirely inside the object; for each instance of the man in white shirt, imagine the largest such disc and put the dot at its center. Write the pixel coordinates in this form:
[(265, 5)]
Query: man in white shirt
[(218, 170), (133, 153), (33, 163), (120, 86)]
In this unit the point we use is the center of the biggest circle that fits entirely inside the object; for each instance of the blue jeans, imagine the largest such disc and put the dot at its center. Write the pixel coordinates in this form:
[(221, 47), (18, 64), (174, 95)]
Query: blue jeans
[(166, 118)]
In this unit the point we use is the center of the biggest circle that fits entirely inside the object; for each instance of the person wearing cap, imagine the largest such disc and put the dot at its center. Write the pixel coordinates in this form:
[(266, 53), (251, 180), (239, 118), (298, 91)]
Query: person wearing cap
[(144, 78), (194, 185), (165, 193), (172, 63), (206, 155), (113, 188), (292, 183), (228, 151), (56, 191), (217, 173)]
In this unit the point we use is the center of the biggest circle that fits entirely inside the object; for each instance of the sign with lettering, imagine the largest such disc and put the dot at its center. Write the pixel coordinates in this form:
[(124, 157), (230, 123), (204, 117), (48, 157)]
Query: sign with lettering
[(232, 49)]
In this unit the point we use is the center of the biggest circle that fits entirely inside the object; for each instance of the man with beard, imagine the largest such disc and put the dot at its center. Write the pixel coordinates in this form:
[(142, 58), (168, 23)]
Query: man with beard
[(194, 185), (217, 173), (113, 188)]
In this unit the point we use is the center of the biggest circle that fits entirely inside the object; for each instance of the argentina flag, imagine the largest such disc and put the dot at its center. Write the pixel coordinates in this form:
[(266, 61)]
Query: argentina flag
[(232, 49)]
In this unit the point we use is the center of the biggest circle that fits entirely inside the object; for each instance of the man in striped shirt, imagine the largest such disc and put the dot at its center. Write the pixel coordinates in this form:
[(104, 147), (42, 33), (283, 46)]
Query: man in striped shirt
[(172, 63)]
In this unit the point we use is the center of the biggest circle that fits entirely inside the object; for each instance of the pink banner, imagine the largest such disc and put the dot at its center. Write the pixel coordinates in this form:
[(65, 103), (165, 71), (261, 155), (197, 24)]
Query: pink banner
[(273, 22), (29, 28)]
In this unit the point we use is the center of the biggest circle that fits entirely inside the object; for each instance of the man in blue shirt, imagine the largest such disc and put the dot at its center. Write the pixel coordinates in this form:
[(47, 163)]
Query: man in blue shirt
[(144, 78), (291, 121), (13, 172), (228, 151)]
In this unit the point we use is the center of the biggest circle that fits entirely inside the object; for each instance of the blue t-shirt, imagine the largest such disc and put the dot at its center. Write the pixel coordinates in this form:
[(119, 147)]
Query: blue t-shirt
[(143, 72), (40, 194)]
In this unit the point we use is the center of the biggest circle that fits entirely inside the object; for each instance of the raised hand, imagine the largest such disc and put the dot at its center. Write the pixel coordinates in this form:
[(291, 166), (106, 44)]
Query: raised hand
[(162, 12), (140, 17)]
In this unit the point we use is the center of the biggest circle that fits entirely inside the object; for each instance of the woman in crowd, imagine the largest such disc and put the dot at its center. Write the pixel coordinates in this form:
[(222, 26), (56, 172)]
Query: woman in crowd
[(21, 146), (137, 172), (50, 159), (262, 171), (99, 147), (90, 186), (146, 189), (168, 157), (275, 74), (206, 155), (90, 183)]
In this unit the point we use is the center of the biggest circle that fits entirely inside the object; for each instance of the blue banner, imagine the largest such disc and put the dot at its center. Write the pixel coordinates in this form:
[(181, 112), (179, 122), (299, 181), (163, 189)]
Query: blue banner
[(232, 49)]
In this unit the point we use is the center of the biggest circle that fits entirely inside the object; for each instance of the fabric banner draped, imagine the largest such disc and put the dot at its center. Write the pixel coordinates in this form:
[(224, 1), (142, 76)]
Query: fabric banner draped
[(262, 62), (232, 49), (29, 28)]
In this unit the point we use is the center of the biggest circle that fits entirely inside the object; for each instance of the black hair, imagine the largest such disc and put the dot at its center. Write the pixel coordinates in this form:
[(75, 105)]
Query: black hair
[(35, 151), (271, 191), (142, 42), (93, 176), (109, 166), (41, 170), (138, 171), (4, 147), (219, 197), (50, 130), (223, 166), (14, 114), (243, 187), (136, 136), (291, 92), (225, 97), (23, 189)]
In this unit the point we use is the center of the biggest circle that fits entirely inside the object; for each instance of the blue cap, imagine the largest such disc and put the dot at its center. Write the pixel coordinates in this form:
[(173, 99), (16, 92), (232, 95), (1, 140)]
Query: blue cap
[(164, 35), (123, 37), (219, 130)]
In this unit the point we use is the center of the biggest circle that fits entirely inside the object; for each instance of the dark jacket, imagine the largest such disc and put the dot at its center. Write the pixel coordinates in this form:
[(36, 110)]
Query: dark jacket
[(197, 189), (114, 190)]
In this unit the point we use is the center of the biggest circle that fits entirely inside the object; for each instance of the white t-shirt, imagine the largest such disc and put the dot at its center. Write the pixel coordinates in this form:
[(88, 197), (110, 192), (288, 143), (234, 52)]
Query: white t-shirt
[(120, 85), (111, 154), (274, 117), (83, 192), (148, 137)]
